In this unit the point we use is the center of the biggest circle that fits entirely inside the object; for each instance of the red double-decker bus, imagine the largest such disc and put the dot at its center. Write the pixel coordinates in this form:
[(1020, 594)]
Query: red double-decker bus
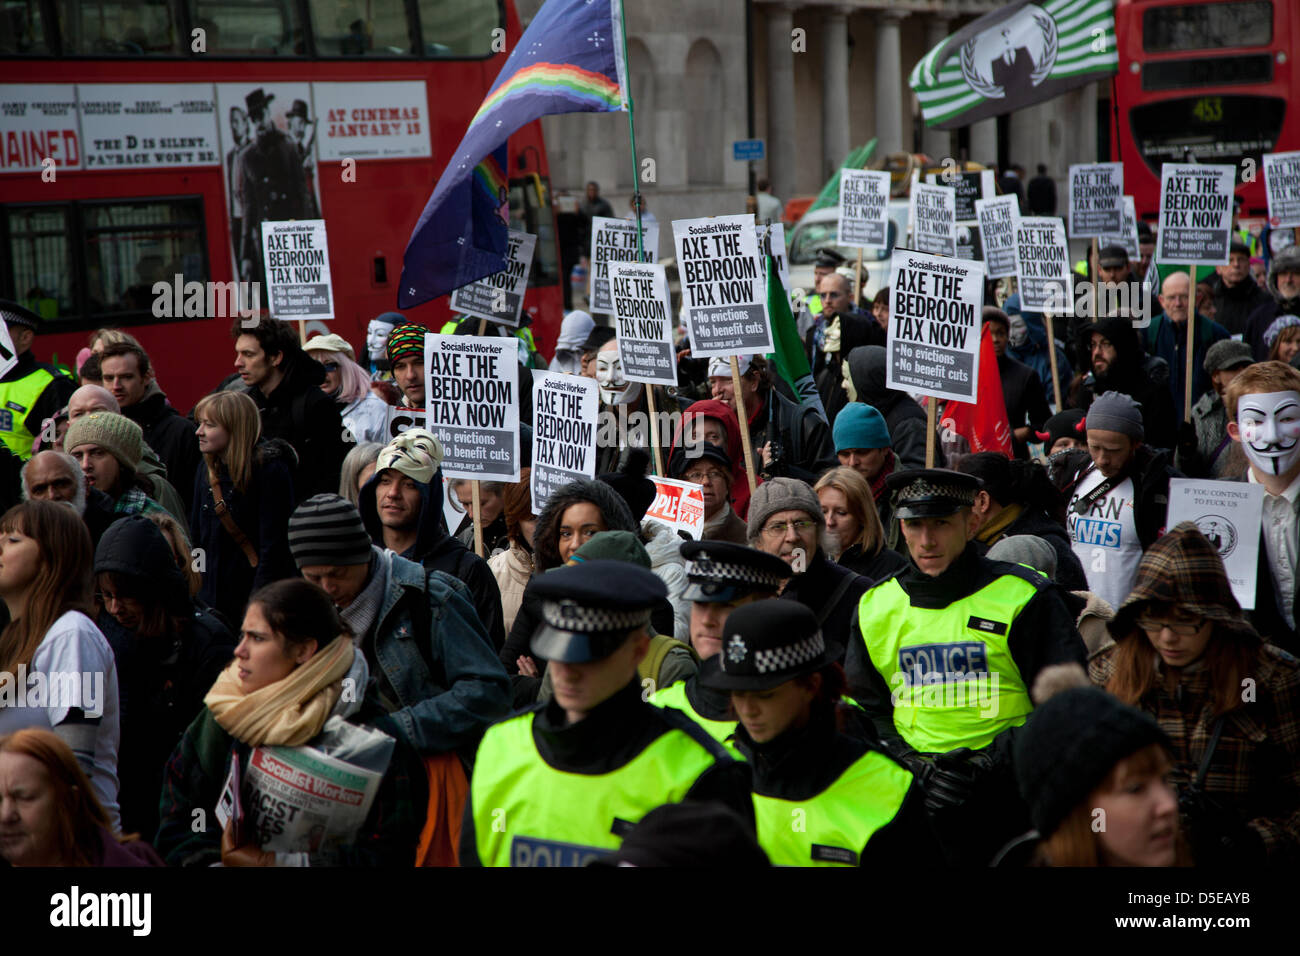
[(1210, 80), (124, 132)]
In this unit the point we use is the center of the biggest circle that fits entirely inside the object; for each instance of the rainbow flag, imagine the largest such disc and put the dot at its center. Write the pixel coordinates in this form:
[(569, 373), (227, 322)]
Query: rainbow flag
[(569, 60)]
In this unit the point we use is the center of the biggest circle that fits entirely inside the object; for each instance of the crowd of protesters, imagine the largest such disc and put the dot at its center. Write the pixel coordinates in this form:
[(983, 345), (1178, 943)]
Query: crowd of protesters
[(973, 659)]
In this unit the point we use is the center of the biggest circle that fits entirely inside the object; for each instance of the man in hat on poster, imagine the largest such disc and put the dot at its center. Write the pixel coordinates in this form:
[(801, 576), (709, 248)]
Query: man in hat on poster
[(563, 782), (943, 656), (30, 392), (275, 188), (302, 131)]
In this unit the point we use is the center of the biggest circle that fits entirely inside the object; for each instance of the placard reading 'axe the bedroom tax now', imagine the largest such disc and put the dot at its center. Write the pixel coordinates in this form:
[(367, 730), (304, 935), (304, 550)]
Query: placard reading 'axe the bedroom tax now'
[(933, 215), (1043, 272), (1195, 213), (933, 339), (1282, 178), (1096, 199), (998, 218), (471, 388), (864, 208), (723, 290), (297, 261), (1228, 514), (614, 240), (643, 322), (500, 296), (565, 411)]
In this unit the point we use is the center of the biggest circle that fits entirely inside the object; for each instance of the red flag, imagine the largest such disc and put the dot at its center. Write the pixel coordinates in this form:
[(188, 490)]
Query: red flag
[(984, 425)]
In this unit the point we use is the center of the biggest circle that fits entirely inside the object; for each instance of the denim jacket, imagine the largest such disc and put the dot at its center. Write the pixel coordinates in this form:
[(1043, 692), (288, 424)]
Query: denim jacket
[(468, 688)]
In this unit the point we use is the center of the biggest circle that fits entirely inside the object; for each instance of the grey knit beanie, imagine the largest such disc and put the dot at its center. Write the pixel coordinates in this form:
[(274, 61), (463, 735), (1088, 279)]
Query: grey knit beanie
[(781, 494), (1026, 549), (1115, 412)]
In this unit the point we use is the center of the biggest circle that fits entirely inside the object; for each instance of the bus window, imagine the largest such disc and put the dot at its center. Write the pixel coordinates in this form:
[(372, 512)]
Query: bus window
[(130, 245), (117, 27), (22, 30), (40, 259), (1207, 26), (361, 28), (530, 211), (459, 28), (248, 27), (1207, 129)]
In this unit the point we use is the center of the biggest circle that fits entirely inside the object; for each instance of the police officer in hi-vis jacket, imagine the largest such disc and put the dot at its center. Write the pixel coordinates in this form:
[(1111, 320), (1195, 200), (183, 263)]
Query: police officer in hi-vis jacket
[(944, 654), (562, 783)]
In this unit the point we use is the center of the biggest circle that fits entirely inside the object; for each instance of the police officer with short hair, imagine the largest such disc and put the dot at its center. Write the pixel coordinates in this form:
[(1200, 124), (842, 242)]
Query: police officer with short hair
[(943, 655), (563, 782), (720, 577)]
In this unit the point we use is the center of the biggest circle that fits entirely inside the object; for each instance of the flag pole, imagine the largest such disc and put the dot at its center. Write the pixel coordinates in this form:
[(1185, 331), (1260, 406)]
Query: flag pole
[(1191, 340), (1051, 357)]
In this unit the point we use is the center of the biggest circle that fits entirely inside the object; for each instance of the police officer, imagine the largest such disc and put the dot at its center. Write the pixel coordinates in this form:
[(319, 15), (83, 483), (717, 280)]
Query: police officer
[(563, 782), (943, 655), (30, 392), (821, 797), (720, 577)]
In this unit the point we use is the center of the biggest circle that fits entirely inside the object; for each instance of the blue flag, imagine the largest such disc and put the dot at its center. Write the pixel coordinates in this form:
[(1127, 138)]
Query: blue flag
[(569, 60)]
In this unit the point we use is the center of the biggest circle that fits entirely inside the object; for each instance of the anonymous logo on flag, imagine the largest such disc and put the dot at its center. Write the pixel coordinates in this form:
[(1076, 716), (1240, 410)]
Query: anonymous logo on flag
[(1019, 52)]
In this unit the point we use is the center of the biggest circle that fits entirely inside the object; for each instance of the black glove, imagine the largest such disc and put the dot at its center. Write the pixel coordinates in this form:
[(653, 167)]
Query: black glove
[(947, 779), (1187, 444)]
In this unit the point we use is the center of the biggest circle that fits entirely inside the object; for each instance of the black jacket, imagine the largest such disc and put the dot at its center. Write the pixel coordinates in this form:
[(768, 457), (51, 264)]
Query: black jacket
[(99, 514), (814, 589), (304, 416), (801, 439), (171, 435), (904, 418), (1038, 524), (1233, 305), (1150, 470), (1041, 195), (1022, 393), (1131, 376), (876, 567), (1267, 616), (856, 328)]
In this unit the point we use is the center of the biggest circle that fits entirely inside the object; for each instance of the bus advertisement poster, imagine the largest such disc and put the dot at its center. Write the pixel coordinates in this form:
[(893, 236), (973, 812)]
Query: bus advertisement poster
[(139, 126), (297, 263), (1128, 234), (643, 321), (614, 240), (933, 215), (1096, 199), (1282, 178), (864, 209), (1195, 213), (40, 125), (722, 286), (500, 297), (935, 313), (471, 388), (565, 417), (998, 219), (381, 120), (1043, 272)]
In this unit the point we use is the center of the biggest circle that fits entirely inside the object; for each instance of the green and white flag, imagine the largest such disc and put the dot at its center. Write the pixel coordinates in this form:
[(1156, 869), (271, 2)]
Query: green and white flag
[(1014, 57)]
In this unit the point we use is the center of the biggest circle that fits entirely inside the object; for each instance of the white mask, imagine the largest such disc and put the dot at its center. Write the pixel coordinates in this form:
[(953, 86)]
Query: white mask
[(1270, 430), (377, 338), (614, 388), (1018, 332)]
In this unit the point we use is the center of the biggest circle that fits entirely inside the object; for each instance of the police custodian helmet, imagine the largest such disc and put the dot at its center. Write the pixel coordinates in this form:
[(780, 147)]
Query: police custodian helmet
[(589, 609), (719, 571), (765, 644), (931, 492)]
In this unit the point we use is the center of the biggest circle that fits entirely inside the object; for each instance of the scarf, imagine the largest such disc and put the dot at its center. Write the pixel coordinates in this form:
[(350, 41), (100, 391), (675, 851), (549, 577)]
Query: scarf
[(289, 712), (360, 615), (878, 483), (992, 531)]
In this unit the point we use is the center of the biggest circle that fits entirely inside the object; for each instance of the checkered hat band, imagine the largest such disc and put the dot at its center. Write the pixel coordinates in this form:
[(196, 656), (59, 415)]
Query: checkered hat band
[(568, 616), (720, 572), (777, 659), (927, 489)]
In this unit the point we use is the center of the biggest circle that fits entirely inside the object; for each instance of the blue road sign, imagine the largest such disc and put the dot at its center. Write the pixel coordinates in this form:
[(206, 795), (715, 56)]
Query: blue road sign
[(747, 150)]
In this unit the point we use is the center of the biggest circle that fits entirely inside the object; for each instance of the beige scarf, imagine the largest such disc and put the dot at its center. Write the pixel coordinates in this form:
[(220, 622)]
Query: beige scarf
[(289, 712)]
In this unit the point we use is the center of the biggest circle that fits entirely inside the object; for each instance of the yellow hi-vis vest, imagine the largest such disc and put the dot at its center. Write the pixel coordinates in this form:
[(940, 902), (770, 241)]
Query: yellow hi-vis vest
[(17, 398), (719, 730), (951, 677), (831, 828), (527, 813)]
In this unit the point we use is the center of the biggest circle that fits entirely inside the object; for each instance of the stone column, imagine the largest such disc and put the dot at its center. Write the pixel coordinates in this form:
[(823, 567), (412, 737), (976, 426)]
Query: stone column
[(781, 138), (937, 143), (890, 88), (835, 89)]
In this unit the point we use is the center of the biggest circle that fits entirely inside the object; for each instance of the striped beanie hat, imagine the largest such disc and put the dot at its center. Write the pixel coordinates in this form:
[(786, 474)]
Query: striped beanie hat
[(327, 530), (406, 340)]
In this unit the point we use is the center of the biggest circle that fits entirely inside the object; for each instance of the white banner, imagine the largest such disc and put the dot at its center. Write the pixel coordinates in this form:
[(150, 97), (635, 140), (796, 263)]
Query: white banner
[(471, 388), (935, 315), (643, 322), (153, 125), (1195, 214), (614, 240), (297, 261), (1228, 513), (864, 208), (386, 120), (722, 286), (1096, 199), (564, 432), (500, 296), (39, 122)]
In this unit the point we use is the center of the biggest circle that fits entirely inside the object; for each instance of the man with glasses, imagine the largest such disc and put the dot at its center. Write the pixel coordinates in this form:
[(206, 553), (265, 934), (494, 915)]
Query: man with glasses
[(712, 472), (1166, 337)]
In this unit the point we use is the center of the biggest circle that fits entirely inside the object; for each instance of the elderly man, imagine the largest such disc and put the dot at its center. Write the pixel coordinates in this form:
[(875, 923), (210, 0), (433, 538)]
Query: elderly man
[(1236, 293), (56, 476), (1166, 337)]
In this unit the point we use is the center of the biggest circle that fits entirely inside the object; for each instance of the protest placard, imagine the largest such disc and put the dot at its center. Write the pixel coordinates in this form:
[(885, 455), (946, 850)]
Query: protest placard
[(1096, 199), (969, 246), (968, 187), (500, 296), (614, 240), (8, 355), (564, 432), (297, 261), (401, 418), (723, 290), (1043, 272), (864, 208), (1128, 234), (998, 219), (1282, 181), (771, 242), (643, 322), (933, 214), (1195, 213), (935, 311), (678, 506), (471, 388), (1228, 514)]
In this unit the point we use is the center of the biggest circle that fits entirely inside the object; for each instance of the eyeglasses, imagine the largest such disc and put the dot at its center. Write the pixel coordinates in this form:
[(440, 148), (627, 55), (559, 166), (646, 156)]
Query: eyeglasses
[(700, 477), (331, 366), (778, 529), (1181, 628)]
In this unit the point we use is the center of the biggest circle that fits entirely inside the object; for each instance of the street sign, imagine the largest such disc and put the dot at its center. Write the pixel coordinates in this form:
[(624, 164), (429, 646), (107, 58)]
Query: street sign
[(747, 150)]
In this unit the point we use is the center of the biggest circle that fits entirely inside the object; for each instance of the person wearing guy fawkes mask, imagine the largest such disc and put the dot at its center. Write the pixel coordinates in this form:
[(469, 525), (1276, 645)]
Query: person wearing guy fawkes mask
[(1263, 404), (618, 432), (377, 333)]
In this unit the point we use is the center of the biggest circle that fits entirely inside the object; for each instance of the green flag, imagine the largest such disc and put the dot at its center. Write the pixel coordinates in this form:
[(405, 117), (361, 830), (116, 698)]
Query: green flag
[(789, 359), (830, 194)]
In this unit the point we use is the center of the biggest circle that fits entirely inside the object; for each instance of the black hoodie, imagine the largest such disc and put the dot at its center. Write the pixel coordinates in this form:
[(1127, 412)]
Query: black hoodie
[(1131, 375), (161, 680), (308, 419), (904, 417)]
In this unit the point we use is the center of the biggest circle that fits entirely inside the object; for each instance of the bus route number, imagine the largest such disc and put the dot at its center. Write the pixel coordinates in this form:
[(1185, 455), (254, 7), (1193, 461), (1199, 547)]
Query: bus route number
[(1209, 109)]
